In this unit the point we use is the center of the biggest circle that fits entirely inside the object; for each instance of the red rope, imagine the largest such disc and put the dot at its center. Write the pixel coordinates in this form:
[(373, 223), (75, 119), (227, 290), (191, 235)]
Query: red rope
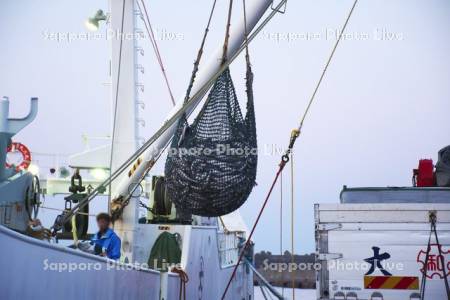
[(247, 243), (183, 280)]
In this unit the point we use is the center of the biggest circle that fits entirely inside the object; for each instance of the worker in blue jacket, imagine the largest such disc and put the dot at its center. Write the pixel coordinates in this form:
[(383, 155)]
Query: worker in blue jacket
[(105, 241)]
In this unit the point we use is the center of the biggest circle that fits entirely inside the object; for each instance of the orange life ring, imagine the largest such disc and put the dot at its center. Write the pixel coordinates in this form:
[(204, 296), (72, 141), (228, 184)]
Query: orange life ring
[(24, 151)]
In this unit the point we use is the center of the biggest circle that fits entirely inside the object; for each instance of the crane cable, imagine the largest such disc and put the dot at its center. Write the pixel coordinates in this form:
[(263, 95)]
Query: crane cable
[(151, 34), (286, 156)]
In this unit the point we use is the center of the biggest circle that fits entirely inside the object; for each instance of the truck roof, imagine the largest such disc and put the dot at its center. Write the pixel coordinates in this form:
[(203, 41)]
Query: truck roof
[(395, 195)]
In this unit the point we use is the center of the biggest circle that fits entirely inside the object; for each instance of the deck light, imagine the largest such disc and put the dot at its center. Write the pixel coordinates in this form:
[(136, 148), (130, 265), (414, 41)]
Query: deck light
[(33, 169), (99, 174), (93, 23)]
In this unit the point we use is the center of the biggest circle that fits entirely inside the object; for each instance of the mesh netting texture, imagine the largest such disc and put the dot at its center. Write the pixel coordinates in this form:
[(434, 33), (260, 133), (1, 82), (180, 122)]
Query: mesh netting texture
[(211, 167)]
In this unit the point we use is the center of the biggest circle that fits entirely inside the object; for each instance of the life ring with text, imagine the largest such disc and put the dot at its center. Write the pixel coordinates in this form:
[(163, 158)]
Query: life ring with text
[(24, 151)]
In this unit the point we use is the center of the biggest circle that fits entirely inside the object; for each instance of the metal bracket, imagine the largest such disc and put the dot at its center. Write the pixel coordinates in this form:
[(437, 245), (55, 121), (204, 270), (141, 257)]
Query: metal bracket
[(432, 216), (281, 11), (328, 256), (8, 214), (68, 205), (329, 226)]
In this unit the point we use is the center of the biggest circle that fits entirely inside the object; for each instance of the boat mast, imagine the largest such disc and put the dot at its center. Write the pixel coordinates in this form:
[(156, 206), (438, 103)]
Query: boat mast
[(124, 93)]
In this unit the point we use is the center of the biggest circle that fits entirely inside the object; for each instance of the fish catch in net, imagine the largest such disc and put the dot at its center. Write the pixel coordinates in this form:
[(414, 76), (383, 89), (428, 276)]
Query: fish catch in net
[(211, 167)]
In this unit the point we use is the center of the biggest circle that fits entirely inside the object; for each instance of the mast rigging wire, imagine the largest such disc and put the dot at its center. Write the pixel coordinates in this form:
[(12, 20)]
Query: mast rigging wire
[(294, 135), (158, 55), (313, 96), (193, 75), (155, 47)]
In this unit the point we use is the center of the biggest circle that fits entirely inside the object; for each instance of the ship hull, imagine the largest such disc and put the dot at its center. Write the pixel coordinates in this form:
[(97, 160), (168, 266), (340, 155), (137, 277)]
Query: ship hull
[(34, 269)]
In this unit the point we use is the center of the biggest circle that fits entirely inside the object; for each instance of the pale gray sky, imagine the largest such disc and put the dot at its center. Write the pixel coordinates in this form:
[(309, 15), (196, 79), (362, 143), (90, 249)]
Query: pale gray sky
[(384, 103)]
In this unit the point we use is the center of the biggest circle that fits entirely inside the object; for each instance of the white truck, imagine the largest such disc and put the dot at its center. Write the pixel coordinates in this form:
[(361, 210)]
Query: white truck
[(373, 245)]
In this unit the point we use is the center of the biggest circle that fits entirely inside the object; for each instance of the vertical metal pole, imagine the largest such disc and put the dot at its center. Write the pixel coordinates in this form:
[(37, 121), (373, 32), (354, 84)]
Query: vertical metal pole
[(4, 136), (124, 89)]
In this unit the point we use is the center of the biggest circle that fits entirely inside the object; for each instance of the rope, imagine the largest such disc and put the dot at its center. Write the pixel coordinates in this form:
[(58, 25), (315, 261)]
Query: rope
[(74, 230), (262, 291), (62, 210), (200, 53), (225, 229), (294, 135), (247, 56), (155, 47), (424, 271), (247, 242), (261, 287), (292, 226), (184, 278), (281, 222), (311, 100), (441, 257), (227, 33), (249, 74), (143, 205)]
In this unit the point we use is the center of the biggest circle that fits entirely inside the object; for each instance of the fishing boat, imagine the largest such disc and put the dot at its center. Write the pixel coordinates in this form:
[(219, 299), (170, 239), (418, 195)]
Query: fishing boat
[(192, 242), (194, 256)]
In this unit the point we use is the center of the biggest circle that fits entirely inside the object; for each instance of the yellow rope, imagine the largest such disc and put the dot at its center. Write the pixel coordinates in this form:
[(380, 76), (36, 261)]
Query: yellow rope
[(61, 210), (74, 230), (292, 225), (296, 133), (311, 100), (225, 229), (281, 222)]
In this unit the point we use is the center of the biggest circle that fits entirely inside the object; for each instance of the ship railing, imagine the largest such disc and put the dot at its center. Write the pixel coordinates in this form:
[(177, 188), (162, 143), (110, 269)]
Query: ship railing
[(228, 244)]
